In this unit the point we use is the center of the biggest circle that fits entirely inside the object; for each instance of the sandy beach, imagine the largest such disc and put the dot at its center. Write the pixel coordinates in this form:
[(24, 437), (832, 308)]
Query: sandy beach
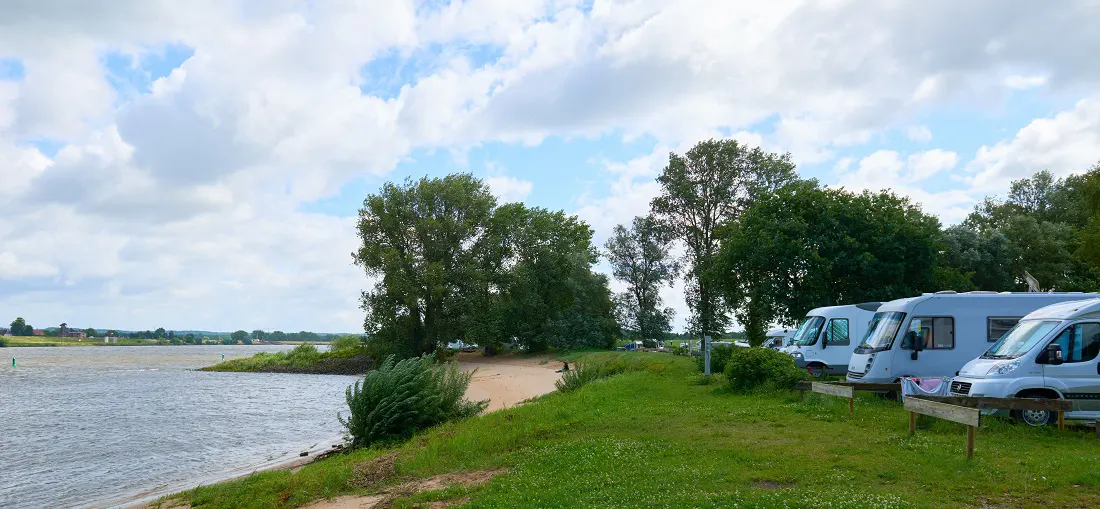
[(507, 381)]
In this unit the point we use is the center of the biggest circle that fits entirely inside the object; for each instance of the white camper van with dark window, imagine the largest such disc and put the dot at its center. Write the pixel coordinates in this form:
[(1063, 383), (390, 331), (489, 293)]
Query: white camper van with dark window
[(1053, 352), (935, 334), (825, 339), (778, 338)]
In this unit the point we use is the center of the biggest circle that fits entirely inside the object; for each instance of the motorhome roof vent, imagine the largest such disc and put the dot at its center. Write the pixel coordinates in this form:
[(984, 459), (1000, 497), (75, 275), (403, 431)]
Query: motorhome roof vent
[(869, 306), (946, 292)]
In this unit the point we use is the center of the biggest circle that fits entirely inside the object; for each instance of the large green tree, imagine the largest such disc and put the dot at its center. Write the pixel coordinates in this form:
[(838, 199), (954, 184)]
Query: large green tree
[(536, 285), (806, 246), (640, 257), (1046, 227), (702, 191), (239, 336), (19, 327), (417, 243)]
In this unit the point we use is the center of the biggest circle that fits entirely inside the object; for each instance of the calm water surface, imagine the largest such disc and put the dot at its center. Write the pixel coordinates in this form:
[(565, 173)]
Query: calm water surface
[(103, 426)]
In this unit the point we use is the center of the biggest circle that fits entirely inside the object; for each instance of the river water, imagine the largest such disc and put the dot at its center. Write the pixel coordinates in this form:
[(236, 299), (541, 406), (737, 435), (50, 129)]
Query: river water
[(104, 426)]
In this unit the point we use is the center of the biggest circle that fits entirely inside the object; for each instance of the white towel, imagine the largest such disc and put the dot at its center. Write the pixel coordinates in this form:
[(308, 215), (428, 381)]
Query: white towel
[(925, 386)]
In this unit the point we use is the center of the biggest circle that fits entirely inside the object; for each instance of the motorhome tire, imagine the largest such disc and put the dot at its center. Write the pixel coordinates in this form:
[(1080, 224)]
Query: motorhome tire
[(1034, 417), (816, 369)]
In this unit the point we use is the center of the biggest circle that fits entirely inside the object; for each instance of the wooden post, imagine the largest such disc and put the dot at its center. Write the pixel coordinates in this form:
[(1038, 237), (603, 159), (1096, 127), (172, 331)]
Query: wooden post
[(1061, 421), (1097, 424), (912, 422), (851, 406), (970, 442)]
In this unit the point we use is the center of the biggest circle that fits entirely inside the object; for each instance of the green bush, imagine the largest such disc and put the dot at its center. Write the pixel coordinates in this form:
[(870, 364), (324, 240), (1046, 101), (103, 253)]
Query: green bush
[(401, 398), (719, 356), (347, 343), (581, 374), (758, 368), (595, 367), (3, 342)]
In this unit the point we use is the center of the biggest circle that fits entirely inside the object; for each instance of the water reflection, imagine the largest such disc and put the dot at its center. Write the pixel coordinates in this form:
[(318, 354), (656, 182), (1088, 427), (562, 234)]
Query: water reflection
[(95, 426)]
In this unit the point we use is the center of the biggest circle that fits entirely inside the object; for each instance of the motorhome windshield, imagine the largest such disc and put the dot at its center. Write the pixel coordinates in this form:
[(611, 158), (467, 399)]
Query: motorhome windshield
[(807, 333), (1020, 339), (880, 334)]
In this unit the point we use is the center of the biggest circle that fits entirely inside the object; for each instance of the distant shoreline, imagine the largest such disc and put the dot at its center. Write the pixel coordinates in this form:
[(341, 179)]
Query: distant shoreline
[(50, 341), (307, 362)]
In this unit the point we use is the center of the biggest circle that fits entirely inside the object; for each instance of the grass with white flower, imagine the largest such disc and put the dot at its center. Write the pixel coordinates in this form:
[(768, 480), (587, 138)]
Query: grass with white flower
[(663, 438)]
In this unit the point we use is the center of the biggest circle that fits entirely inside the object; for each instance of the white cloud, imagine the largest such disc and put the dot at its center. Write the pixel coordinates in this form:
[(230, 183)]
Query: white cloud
[(907, 176), (1068, 142), (884, 169), (1020, 82), (919, 133), (509, 189), (186, 201)]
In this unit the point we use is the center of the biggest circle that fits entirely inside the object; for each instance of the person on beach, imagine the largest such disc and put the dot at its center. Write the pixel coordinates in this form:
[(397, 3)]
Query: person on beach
[(563, 368)]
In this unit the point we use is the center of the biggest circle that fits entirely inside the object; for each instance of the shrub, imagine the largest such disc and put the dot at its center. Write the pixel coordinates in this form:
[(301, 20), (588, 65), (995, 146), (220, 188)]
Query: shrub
[(761, 369), (596, 367), (347, 343), (3, 342), (401, 398), (719, 357), (581, 374)]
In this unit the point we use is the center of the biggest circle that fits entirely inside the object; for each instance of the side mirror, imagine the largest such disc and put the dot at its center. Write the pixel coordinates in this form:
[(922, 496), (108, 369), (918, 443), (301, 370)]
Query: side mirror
[(1052, 355), (910, 342)]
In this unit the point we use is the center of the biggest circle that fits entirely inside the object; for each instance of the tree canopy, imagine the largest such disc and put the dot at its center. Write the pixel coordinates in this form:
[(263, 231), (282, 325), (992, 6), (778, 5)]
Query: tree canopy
[(450, 265), (806, 246), (641, 258), (702, 191)]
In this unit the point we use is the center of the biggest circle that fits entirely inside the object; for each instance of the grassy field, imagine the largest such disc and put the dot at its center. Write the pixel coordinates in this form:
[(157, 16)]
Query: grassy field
[(664, 438), (49, 341)]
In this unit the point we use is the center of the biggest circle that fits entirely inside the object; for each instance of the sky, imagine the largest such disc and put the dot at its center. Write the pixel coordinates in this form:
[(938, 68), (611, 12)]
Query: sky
[(200, 164)]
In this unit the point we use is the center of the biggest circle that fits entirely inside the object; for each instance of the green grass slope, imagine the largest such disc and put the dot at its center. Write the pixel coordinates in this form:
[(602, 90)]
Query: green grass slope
[(660, 438)]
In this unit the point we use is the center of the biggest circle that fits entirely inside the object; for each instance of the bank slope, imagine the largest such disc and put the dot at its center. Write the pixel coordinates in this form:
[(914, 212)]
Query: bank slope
[(660, 437)]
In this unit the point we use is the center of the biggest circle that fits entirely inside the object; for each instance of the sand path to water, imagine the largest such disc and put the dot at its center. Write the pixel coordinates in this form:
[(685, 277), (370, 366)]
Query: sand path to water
[(507, 381)]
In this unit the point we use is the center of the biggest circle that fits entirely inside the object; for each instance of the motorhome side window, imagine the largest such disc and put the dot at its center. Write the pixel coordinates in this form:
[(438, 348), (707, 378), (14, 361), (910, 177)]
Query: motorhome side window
[(837, 332), (936, 332), (1080, 342), (997, 327)]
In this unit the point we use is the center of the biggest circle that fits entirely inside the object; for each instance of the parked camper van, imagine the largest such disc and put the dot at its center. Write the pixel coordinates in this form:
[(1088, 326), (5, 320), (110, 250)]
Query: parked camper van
[(1053, 352), (935, 334), (779, 337), (825, 339)]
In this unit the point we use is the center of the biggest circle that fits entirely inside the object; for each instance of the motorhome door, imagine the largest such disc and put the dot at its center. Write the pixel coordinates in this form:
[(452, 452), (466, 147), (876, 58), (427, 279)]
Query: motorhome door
[(1078, 376)]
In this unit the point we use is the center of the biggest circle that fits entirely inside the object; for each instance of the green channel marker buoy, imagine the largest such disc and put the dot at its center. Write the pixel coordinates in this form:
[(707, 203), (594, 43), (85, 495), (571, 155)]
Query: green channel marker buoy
[(13, 362), (223, 357)]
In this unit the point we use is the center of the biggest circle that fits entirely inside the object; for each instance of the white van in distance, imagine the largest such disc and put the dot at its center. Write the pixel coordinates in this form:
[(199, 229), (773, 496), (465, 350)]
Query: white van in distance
[(827, 336), (935, 334), (1054, 352), (778, 338)]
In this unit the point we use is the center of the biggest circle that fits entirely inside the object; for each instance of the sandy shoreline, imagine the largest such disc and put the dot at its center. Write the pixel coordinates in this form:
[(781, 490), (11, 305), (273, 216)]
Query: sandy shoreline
[(504, 381)]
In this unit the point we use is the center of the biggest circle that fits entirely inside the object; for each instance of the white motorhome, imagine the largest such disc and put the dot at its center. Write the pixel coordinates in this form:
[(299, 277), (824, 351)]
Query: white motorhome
[(825, 339), (1053, 352), (778, 338), (935, 334)]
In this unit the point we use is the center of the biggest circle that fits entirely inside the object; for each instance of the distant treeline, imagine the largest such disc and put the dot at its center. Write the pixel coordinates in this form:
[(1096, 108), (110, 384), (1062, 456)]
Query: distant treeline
[(19, 327)]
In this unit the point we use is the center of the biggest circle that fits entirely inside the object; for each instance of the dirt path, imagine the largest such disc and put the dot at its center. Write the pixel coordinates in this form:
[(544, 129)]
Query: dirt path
[(506, 381)]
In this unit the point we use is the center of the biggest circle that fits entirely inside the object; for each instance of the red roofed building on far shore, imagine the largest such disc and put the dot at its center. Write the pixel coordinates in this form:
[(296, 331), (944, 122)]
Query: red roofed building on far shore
[(39, 332)]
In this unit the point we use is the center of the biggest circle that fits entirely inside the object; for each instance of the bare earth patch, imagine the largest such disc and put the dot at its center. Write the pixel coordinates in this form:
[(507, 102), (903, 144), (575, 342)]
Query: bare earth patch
[(386, 496), (508, 380)]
